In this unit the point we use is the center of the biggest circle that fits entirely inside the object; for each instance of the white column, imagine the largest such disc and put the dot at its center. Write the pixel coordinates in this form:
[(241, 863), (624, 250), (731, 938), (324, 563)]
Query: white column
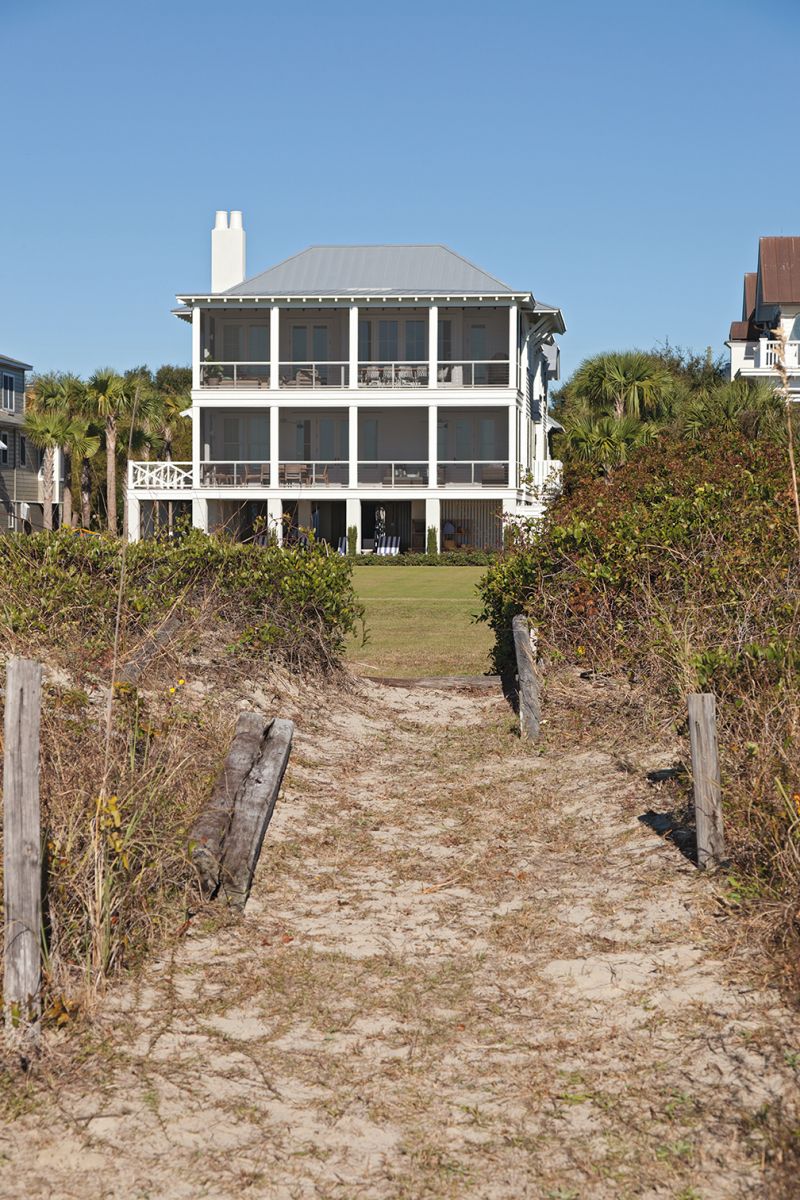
[(200, 514), (274, 346), (512, 445), (513, 351), (433, 346), (275, 518), (352, 445), (196, 347), (352, 347), (196, 446), (134, 530), (274, 445), (433, 517), (433, 446), (353, 511)]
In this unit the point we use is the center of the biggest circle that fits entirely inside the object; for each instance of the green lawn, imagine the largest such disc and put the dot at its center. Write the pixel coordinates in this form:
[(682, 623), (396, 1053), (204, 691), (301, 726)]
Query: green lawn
[(419, 622)]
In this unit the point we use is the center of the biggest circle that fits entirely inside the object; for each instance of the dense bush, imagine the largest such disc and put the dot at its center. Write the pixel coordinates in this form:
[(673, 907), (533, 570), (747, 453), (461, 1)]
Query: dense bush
[(60, 590), (448, 558), (681, 569)]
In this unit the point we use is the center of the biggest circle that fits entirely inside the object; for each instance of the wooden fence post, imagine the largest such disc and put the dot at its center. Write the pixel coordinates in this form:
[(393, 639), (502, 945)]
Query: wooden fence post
[(529, 687), (706, 776), (22, 867)]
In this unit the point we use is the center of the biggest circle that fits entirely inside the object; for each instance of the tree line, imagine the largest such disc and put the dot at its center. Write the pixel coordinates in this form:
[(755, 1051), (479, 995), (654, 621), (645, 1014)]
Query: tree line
[(618, 401), (138, 412)]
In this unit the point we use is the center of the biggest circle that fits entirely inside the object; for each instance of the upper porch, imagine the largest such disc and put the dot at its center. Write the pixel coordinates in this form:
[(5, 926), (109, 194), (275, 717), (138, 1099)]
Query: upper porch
[(253, 347)]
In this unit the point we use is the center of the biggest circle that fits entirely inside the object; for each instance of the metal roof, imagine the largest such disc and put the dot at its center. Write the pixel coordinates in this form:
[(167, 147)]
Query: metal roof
[(779, 270), (15, 362), (374, 270)]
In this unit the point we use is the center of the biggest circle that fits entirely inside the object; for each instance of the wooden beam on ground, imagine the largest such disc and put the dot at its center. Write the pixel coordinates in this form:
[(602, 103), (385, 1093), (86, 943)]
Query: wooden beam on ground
[(529, 684), (22, 865), (252, 813), (706, 777), (208, 834), (438, 682), (133, 670)]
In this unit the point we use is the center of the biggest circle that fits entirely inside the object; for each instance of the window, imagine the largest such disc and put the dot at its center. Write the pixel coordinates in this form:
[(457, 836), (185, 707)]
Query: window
[(5, 442), (387, 341), (8, 392), (445, 341), (23, 451), (258, 343), (232, 343), (368, 450), (416, 348), (365, 341), (319, 344)]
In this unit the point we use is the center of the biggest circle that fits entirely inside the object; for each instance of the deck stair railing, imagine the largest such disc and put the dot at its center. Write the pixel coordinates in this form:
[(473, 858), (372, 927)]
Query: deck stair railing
[(164, 475)]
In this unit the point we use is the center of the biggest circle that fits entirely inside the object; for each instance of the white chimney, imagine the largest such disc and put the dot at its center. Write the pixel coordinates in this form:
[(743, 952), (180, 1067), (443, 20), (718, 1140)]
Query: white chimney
[(227, 252)]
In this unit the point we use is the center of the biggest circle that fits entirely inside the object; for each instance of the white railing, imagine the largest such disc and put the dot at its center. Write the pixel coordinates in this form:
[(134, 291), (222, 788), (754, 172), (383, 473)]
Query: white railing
[(313, 374), (477, 473), (313, 474), (234, 473), (491, 372), (545, 476), (771, 352), (392, 474), (393, 374), (168, 476), (234, 374)]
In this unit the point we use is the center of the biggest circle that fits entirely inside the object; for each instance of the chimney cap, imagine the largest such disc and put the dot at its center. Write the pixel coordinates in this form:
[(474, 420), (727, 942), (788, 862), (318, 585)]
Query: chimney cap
[(236, 219), (221, 219)]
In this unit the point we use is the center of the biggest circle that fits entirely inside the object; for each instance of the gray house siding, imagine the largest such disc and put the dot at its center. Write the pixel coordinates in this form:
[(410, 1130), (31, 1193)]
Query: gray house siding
[(19, 481)]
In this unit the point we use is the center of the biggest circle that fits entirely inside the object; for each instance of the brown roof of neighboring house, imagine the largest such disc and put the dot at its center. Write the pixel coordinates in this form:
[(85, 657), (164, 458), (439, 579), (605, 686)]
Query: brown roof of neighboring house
[(745, 330), (779, 268)]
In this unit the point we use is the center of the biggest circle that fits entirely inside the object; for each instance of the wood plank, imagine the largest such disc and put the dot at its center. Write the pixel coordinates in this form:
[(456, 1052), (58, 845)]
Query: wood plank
[(141, 658), (706, 778), (529, 684), (22, 867), (438, 682), (252, 813), (208, 834)]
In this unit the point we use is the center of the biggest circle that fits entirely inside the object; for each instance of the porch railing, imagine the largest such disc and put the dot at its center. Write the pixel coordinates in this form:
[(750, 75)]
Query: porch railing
[(393, 474), (169, 476), (393, 374), (544, 475), (492, 372), (234, 375), (771, 352), (313, 374), (234, 473), (313, 474), (477, 473)]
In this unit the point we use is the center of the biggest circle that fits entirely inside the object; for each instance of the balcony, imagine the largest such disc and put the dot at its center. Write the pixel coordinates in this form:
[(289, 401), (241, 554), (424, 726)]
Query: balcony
[(160, 476), (313, 474), (234, 474), (393, 474), (313, 374), (770, 353), (470, 373), (251, 376), (476, 473), (393, 374)]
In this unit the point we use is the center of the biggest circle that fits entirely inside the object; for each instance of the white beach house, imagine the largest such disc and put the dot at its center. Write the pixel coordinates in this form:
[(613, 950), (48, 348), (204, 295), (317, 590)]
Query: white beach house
[(394, 389), (771, 301)]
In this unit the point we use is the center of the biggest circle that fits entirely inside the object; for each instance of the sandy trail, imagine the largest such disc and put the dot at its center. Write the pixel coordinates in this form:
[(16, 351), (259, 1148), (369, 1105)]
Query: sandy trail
[(467, 970)]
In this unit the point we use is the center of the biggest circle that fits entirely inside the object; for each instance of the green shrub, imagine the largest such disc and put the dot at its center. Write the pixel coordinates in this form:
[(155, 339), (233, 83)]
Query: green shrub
[(432, 546), (447, 558), (352, 540)]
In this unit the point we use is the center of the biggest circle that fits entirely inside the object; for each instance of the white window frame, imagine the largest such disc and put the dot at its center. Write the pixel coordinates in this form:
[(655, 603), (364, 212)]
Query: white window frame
[(5, 438), (9, 392)]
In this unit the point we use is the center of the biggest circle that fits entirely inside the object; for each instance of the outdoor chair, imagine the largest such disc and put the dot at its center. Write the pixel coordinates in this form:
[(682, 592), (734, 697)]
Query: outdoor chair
[(342, 547), (388, 546)]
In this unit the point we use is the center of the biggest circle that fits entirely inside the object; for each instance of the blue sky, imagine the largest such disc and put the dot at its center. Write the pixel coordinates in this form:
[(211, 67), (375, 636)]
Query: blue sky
[(620, 159)]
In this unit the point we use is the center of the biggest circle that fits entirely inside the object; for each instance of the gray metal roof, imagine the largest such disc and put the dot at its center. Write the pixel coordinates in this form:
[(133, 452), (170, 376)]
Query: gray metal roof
[(15, 362), (373, 270)]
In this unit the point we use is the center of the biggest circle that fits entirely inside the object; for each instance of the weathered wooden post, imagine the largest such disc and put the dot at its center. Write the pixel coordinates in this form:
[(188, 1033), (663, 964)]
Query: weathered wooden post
[(529, 686), (22, 866), (706, 776)]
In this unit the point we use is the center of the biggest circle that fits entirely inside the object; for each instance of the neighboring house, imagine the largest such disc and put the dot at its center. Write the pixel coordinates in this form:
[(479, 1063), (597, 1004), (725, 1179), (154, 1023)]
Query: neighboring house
[(771, 301), (390, 388), (20, 481)]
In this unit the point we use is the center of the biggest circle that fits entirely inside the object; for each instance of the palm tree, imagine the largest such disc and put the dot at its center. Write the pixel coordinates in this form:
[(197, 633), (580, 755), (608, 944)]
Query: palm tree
[(83, 443), (624, 384), (113, 398), (47, 429), (606, 441), (72, 395)]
